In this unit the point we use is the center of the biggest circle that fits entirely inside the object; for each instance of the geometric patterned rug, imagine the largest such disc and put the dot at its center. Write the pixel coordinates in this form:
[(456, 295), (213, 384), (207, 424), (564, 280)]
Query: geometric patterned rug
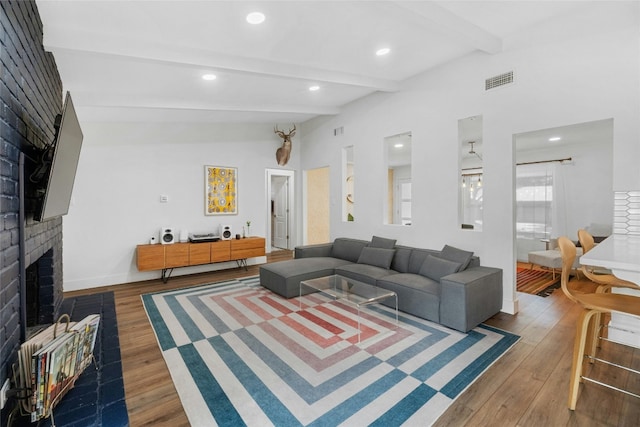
[(239, 354)]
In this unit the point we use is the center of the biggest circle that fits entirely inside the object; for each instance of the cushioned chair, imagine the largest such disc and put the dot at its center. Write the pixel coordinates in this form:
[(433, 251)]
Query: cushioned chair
[(551, 258), (592, 304)]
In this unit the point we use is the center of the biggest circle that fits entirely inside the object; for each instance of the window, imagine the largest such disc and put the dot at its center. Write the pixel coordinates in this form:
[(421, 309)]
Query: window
[(471, 200), (534, 198)]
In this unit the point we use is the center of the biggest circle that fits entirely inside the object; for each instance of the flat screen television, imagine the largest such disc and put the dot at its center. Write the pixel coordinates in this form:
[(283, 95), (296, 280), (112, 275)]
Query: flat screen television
[(62, 162)]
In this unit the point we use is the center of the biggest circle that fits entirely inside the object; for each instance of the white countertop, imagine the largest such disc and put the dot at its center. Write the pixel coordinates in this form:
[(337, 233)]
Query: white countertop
[(620, 253)]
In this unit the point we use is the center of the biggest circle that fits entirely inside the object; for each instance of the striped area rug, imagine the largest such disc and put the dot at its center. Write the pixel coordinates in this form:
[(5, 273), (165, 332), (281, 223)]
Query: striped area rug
[(537, 282), (242, 355)]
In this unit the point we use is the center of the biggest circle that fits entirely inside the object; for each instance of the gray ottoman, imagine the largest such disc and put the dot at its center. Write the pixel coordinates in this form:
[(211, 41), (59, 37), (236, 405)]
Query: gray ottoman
[(284, 277)]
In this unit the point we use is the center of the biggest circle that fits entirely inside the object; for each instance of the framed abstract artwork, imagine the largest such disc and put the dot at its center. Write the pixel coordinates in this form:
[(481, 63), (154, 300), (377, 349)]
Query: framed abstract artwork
[(221, 190)]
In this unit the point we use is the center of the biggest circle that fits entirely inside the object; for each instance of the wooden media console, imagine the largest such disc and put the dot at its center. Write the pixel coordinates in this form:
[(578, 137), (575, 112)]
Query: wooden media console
[(168, 257)]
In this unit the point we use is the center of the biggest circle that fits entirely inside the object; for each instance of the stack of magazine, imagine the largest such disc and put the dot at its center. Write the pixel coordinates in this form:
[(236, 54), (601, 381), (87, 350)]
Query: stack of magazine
[(51, 361)]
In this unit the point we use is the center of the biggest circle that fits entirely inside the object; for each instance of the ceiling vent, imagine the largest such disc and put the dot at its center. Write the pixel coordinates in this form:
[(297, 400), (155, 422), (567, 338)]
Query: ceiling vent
[(501, 80), (338, 131)]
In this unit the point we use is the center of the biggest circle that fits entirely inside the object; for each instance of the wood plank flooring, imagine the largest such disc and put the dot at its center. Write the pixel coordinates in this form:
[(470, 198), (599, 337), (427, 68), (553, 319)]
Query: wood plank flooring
[(526, 387)]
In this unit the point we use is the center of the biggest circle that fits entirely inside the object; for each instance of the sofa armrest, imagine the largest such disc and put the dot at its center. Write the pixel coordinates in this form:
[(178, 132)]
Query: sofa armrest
[(470, 297), (308, 251)]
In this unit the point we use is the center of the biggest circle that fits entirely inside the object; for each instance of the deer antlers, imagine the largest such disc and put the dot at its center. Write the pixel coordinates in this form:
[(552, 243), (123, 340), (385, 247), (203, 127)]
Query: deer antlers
[(285, 136), (283, 153)]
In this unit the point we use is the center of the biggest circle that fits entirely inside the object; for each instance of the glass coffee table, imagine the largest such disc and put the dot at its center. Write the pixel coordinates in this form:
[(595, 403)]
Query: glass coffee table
[(349, 291)]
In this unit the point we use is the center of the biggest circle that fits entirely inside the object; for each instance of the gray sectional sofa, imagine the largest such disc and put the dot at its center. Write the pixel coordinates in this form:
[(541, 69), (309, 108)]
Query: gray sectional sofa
[(447, 286)]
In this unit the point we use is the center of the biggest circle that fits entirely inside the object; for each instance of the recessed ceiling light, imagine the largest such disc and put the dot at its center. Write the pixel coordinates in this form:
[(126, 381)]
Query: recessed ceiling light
[(383, 51), (255, 18), (209, 77), (314, 88), (554, 139), (399, 145)]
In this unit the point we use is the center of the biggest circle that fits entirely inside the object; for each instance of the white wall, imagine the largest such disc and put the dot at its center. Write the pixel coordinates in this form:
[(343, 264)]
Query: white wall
[(591, 76), (123, 170)]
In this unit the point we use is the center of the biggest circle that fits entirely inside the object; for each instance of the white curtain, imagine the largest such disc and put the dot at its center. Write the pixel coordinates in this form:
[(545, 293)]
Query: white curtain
[(541, 201), (558, 202), (534, 193)]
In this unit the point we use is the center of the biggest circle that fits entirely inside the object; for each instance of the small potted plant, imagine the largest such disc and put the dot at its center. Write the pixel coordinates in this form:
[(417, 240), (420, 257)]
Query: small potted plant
[(248, 225)]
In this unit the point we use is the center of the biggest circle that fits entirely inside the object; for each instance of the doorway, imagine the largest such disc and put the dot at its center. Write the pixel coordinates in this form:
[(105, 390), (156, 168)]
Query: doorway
[(280, 213), (563, 182), (317, 206)]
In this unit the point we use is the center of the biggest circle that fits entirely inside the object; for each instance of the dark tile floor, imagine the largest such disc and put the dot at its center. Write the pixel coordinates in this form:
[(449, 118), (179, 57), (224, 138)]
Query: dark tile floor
[(97, 400)]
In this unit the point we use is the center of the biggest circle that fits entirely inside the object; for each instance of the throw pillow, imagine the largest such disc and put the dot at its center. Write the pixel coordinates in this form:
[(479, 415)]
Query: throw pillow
[(378, 257), (348, 249), (381, 242), (435, 267), (401, 259), (456, 255)]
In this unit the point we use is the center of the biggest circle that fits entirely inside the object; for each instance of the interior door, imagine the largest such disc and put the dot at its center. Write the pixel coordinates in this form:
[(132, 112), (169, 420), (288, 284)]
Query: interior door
[(280, 212)]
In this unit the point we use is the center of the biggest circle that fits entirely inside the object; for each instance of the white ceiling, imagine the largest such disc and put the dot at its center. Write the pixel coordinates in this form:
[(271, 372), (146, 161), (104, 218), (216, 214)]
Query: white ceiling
[(578, 135), (143, 60)]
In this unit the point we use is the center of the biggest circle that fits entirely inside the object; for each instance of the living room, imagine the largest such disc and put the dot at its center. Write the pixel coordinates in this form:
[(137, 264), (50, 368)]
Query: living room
[(565, 73), (429, 106)]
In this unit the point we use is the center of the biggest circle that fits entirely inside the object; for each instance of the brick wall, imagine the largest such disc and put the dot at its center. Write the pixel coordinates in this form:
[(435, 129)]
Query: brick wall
[(30, 98)]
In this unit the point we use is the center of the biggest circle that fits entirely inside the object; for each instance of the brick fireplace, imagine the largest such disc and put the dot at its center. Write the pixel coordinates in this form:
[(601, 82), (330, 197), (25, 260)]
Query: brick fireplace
[(42, 295), (30, 99)]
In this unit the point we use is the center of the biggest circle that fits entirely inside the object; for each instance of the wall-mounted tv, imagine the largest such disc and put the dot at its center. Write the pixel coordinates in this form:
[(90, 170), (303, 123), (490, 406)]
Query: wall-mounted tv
[(62, 161)]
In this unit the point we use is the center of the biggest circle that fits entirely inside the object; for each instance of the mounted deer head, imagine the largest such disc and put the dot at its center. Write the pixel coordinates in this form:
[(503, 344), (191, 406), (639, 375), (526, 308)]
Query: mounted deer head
[(283, 153)]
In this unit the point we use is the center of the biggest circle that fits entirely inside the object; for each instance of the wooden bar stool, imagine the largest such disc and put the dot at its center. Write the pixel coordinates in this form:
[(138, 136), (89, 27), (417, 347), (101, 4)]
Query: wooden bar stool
[(603, 278), (593, 304)]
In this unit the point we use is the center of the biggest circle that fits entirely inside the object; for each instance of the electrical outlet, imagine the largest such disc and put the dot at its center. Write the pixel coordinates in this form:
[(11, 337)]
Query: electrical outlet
[(3, 393)]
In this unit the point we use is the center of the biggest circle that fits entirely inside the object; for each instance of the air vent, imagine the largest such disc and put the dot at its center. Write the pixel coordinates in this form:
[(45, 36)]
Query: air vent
[(501, 80)]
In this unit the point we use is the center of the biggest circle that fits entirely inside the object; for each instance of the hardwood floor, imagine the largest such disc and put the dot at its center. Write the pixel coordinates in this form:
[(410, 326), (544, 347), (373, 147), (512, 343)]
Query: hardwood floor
[(526, 387)]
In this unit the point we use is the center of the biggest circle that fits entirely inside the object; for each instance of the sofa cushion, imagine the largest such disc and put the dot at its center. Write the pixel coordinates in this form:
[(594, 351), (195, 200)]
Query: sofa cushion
[(348, 249), (475, 262), (456, 255), (376, 256), (284, 277), (417, 259), (381, 242), (308, 251), (363, 272), (400, 262), (436, 268)]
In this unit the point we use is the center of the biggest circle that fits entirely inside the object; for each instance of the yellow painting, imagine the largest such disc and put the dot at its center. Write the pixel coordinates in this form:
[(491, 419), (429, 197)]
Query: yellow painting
[(221, 190)]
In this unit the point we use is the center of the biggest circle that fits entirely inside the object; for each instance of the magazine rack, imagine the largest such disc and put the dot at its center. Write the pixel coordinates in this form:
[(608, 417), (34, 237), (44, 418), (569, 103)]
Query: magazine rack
[(49, 363)]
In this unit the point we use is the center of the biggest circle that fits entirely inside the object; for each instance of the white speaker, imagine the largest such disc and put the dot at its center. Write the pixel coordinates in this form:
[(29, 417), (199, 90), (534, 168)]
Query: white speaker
[(225, 232), (167, 235)]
